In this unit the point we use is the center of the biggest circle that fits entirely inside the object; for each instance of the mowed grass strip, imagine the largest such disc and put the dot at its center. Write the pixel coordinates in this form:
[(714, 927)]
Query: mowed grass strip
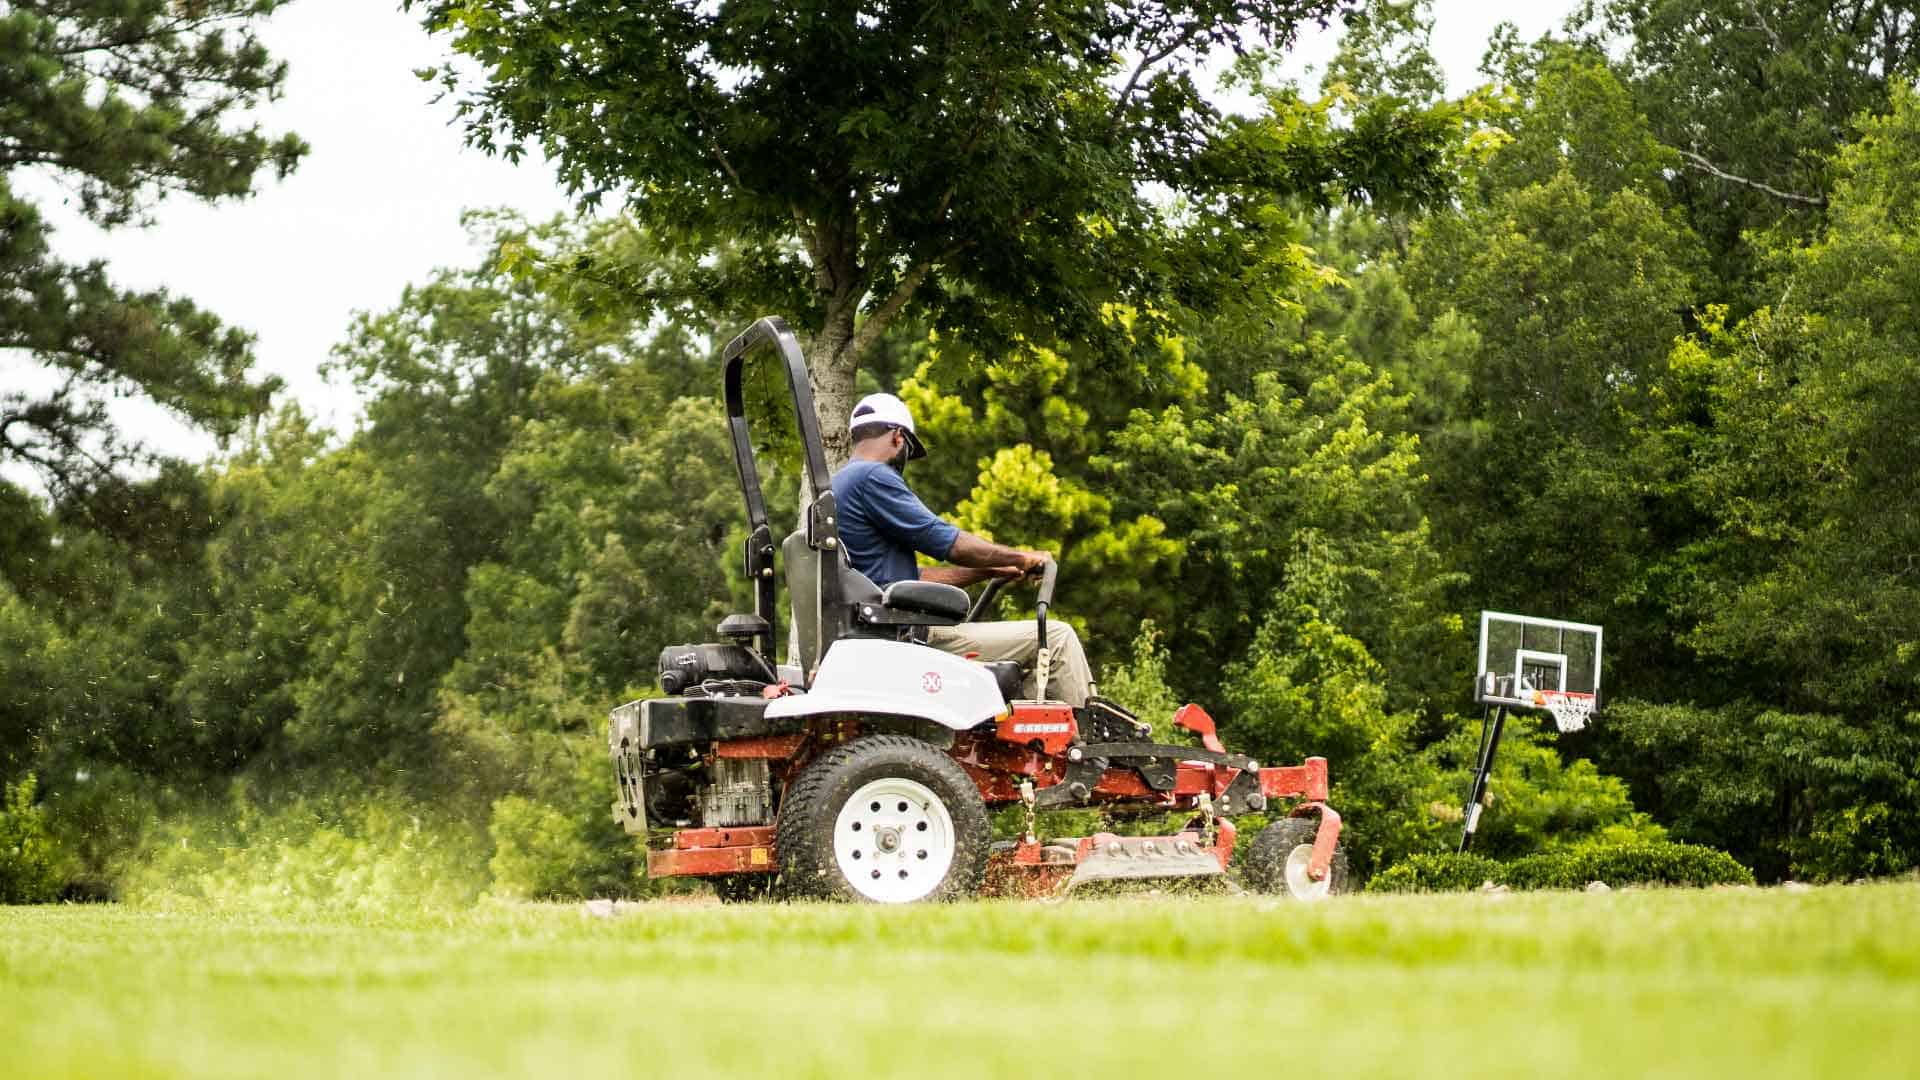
[(1635, 983)]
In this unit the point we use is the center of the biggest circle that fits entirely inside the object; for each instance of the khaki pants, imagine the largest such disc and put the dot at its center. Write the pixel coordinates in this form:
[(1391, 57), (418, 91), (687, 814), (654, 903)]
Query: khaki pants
[(1069, 679)]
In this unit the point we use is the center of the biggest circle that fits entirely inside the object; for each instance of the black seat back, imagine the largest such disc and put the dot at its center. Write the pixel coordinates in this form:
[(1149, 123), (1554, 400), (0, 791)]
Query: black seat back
[(816, 627), (802, 565)]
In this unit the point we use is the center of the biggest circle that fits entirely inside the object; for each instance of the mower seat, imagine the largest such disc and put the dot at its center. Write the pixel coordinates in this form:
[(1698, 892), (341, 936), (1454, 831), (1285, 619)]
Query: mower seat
[(927, 598), (902, 605)]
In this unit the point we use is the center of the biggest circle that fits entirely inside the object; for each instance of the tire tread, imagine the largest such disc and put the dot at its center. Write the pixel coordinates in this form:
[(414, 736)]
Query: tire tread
[(803, 838), (1265, 866)]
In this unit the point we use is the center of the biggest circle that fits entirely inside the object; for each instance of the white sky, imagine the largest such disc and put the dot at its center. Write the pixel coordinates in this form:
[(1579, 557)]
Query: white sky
[(376, 205)]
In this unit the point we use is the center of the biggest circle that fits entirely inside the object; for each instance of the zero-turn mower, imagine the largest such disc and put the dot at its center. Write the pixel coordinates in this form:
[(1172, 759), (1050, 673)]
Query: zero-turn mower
[(864, 767)]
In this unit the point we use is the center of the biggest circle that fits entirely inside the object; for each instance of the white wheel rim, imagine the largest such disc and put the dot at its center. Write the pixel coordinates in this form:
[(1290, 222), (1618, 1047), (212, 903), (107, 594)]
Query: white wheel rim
[(1300, 881), (894, 841)]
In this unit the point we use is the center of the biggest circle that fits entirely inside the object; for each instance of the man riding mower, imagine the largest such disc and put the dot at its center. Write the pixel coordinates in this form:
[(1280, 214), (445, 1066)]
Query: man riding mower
[(863, 767)]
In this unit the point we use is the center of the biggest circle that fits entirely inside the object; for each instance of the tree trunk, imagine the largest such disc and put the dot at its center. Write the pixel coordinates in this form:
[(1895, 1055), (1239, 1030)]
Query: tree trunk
[(832, 364)]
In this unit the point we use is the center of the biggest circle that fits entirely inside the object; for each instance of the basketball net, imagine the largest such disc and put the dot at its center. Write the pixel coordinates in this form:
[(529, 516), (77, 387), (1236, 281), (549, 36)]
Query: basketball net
[(1570, 710)]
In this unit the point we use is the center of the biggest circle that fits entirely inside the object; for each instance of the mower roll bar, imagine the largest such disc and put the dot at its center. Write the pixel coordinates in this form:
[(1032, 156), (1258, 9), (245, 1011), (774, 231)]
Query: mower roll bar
[(773, 332)]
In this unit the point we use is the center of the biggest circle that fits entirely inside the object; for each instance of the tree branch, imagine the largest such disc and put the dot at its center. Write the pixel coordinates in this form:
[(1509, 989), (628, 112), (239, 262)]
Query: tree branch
[(1147, 60), (883, 316), (1765, 27), (1701, 164)]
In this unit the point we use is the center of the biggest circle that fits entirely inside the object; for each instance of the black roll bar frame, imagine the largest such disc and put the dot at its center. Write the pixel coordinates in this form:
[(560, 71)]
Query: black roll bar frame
[(773, 332)]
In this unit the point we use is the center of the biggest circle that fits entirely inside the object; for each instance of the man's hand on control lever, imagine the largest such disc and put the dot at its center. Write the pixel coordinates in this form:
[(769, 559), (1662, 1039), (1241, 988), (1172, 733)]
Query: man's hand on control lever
[(1030, 565), (986, 560)]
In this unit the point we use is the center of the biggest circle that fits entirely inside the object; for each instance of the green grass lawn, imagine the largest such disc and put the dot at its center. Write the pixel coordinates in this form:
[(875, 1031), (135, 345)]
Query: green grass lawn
[(1631, 983)]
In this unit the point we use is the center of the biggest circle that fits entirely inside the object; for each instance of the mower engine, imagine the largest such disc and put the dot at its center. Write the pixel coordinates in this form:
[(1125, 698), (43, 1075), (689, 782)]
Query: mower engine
[(713, 670), (738, 792), (687, 782)]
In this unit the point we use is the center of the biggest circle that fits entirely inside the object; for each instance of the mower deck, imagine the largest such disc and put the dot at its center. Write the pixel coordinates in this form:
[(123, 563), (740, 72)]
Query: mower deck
[(1030, 869)]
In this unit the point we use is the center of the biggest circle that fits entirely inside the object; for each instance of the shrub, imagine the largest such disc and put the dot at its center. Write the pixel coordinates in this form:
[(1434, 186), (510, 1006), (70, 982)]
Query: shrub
[(29, 856), (1657, 863), (1541, 801), (1641, 863), (563, 844), (1141, 686), (540, 854), (1436, 873)]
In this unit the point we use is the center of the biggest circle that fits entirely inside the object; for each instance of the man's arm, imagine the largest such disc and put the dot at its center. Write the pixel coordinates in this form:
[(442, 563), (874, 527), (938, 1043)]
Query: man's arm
[(962, 576), (908, 522), (982, 560)]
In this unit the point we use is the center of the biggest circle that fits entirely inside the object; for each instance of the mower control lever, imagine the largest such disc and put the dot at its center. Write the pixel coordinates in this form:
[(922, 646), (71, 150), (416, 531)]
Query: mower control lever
[(995, 585), (986, 599), (1049, 570)]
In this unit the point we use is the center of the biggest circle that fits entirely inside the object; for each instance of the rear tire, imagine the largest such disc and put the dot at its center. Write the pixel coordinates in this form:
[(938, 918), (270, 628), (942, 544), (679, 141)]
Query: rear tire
[(882, 819), (1276, 862)]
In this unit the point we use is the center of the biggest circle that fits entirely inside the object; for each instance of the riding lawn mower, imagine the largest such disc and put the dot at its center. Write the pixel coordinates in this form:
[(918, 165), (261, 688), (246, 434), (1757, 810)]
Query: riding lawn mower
[(863, 768)]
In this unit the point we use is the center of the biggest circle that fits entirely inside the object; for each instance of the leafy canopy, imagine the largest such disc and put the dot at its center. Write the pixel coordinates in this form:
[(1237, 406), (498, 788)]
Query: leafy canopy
[(122, 103), (1003, 168)]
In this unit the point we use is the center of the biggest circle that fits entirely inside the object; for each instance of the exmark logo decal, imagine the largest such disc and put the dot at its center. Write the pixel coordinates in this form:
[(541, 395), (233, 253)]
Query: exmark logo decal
[(930, 682), (1040, 729)]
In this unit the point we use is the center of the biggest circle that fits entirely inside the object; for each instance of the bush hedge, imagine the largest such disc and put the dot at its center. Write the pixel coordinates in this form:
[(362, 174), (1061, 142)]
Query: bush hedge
[(29, 854), (1648, 863), (1436, 873)]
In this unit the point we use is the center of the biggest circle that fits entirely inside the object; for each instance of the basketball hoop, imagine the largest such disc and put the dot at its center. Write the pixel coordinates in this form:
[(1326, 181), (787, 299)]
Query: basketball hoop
[(1521, 656), (1570, 710)]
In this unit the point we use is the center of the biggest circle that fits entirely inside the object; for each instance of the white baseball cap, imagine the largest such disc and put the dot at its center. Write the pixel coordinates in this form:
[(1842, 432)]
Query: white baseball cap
[(887, 409)]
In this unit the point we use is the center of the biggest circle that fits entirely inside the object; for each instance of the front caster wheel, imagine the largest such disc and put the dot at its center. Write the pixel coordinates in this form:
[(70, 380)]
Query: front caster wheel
[(1278, 859), (885, 819)]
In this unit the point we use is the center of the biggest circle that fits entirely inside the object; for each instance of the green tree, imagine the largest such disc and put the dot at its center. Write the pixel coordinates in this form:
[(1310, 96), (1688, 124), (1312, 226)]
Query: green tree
[(1291, 502), (337, 600), (1387, 51), (988, 166), (1561, 289), (1814, 404), (1802, 591), (123, 104), (624, 527), (1012, 441), (1753, 97), (29, 853), (100, 595)]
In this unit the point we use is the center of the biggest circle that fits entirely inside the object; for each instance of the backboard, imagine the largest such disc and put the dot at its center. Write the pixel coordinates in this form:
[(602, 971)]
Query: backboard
[(1526, 661)]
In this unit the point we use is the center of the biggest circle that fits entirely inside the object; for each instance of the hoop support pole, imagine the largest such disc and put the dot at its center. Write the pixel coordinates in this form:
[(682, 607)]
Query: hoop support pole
[(1490, 730)]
